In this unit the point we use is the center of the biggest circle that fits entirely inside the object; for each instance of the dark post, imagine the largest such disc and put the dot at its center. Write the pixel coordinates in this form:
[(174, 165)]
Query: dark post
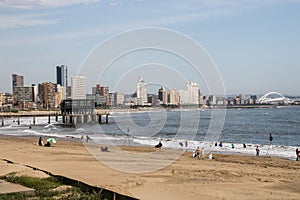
[(85, 118), (71, 119), (107, 118), (18, 120), (99, 119), (56, 117), (2, 121), (48, 119), (64, 119), (93, 118), (33, 120)]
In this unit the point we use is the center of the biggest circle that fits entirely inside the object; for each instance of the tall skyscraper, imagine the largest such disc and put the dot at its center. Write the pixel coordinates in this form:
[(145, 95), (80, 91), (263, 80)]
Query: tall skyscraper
[(78, 85), (17, 80), (61, 75), (141, 92), (193, 92)]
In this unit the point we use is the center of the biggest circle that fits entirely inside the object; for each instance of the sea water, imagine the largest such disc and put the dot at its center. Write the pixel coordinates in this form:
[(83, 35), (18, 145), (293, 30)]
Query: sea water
[(183, 129)]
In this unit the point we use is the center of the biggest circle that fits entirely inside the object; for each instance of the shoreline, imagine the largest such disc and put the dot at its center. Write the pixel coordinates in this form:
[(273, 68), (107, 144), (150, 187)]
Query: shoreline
[(224, 177), (266, 151)]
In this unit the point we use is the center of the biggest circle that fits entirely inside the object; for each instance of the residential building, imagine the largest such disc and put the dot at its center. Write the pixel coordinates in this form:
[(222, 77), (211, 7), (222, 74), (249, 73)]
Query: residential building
[(118, 99), (7, 102), (17, 80), (163, 96), (141, 92), (101, 94), (193, 93), (190, 96), (51, 95), (47, 95), (78, 85), (23, 97), (35, 92), (183, 97), (212, 100), (173, 98)]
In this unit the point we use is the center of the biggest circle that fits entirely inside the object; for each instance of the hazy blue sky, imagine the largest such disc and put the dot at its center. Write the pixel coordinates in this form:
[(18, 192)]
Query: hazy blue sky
[(255, 44)]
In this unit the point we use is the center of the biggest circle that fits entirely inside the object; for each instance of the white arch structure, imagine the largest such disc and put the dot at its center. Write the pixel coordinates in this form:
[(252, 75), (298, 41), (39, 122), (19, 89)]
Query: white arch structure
[(280, 99)]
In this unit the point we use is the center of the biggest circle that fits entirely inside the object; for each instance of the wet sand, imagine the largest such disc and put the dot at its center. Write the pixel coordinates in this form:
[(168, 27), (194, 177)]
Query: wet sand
[(225, 177)]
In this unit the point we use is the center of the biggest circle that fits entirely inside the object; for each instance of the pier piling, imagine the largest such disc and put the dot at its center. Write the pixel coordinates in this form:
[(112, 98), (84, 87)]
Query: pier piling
[(100, 119), (71, 119)]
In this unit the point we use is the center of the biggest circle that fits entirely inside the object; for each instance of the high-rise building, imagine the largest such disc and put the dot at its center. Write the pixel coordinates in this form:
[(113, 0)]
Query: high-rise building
[(101, 94), (35, 92), (47, 95), (23, 97), (62, 78), (78, 85), (17, 80), (118, 99), (161, 92), (193, 92), (190, 96), (173, 98), (141, 92), (61, 75)]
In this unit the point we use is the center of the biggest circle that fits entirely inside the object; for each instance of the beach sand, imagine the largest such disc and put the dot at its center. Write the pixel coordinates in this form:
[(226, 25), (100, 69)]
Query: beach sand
[(225, 177)]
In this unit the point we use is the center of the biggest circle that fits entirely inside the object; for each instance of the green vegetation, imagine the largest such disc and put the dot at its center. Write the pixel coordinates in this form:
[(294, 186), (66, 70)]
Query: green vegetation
[(46, 188)]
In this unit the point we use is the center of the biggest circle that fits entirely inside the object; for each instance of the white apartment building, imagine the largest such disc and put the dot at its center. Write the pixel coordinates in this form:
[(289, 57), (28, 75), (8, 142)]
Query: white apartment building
[(141, 92), (78, 85), (190, 96)]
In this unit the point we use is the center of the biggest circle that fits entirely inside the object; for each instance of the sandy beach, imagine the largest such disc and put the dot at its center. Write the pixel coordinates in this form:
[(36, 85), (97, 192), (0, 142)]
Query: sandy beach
[(225, 177)]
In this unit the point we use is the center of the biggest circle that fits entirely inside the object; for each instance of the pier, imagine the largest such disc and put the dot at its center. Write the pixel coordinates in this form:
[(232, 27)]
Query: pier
[(65, 118)]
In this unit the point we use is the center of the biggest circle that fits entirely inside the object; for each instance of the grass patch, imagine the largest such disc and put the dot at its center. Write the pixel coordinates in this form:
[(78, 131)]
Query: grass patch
[(45, 188)]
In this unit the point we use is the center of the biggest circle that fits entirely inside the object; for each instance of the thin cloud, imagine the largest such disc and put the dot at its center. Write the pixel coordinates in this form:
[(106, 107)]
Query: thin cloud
[(31, 4), (14, 21), (217, 9)]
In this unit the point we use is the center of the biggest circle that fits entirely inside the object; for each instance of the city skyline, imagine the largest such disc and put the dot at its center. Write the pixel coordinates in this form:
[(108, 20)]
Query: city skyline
[(154, 89), (49, 95), (254, 44)]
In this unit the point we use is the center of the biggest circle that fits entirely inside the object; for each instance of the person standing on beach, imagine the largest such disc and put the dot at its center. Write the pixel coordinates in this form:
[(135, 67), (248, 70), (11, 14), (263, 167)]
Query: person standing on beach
[(257, 151), (197, 153), (271, 137), (297, 154), (41, 142)]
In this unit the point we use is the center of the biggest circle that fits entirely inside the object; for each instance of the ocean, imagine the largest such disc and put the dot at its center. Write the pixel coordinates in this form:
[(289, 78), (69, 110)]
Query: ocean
[(184, 129)]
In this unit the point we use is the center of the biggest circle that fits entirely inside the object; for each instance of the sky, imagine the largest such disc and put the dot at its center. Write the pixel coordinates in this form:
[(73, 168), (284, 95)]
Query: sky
[(254, 45)]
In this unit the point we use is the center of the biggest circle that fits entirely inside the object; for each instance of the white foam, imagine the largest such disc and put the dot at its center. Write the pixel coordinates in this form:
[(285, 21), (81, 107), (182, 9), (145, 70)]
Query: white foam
[(265, 150)]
